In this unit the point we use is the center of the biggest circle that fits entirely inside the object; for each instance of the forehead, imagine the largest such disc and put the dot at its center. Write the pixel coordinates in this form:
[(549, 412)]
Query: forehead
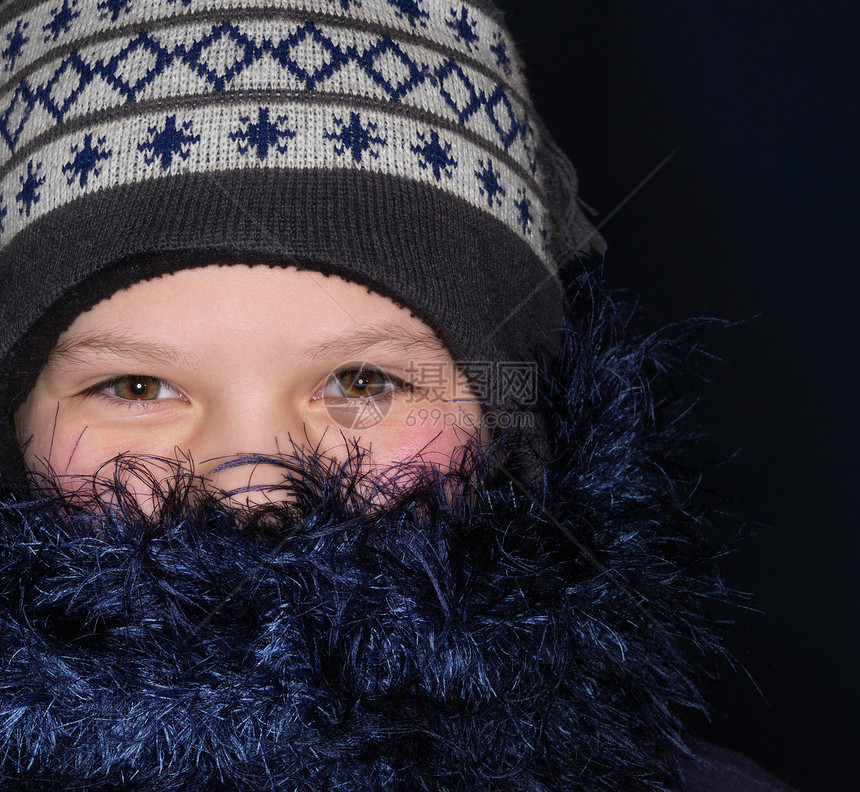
[(219, 306)]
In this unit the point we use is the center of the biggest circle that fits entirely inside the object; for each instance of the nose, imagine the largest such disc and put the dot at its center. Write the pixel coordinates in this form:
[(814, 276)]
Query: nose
[(244, 453)]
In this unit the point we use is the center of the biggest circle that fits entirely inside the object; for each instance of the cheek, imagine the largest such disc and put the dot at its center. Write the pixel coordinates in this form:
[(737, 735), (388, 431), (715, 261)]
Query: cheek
[(432, 435), (74, 458), (64, 445)]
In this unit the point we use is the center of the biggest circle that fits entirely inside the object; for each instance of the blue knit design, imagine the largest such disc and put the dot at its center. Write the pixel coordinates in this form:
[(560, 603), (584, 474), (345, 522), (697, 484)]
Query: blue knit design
[(61, 21), (113, 8), (463, 27), (29, 194), (507, 125), (169, 141), (86, 159), (500, 50), (449, 78), (411, 10), (355, 138), (435, 155), (16, 40), (491, 185), (262, 135), (524, 205)]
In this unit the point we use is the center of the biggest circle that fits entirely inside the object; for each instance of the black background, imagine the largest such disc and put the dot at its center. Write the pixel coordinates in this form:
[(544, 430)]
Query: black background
[(753, 218)]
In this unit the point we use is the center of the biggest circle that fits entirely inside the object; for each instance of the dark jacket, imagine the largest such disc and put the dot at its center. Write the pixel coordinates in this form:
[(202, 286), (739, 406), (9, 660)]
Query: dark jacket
[(720, 770)]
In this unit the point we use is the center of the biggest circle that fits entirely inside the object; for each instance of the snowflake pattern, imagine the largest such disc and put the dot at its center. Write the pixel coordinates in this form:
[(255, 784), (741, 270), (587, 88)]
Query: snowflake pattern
[(435, 155), (463, 27), (500, 50), (344, 4), (168, 141), (524, 207), (262, 135), (411, 10), (3, 211), (62, 20), (490, 187), (528, 138), (30, 185), (354, 137), (114, 8), (86, 160), (16, 40), (545, 237)]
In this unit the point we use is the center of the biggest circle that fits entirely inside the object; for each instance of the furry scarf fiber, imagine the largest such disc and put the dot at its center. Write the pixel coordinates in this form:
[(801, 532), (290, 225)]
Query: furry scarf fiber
[(476, 633)]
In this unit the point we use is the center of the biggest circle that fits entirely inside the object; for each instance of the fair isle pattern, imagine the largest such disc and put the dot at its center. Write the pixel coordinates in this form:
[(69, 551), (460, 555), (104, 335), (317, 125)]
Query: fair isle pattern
[(467, 31), (296, 89), (250, 135), (225, 58)]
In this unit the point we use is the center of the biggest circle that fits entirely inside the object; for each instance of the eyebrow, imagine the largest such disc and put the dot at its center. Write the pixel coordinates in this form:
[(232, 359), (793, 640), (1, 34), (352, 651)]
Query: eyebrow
[(389, 334), (393, 335), (112, 343)]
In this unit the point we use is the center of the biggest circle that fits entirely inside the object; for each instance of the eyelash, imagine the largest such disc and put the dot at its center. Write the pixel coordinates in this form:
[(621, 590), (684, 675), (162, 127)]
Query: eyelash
[(99, 390), (397, 382)]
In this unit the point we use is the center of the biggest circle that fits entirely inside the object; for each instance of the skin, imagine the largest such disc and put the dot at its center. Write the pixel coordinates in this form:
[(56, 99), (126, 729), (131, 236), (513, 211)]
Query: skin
[(208, 363)]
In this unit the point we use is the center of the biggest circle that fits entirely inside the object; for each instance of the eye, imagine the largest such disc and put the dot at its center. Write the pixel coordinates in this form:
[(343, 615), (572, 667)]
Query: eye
[(358, 383), (136, 387)]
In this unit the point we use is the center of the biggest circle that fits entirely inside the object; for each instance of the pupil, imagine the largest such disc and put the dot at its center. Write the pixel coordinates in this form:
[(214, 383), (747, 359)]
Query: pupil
[(138, 387)]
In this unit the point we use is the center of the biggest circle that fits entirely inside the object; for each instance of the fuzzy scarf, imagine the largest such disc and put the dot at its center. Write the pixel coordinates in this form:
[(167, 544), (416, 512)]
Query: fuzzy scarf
[(513, 626)]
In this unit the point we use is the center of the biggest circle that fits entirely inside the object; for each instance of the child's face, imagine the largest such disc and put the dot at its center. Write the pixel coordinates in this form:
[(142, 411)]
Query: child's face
[(219, 361)]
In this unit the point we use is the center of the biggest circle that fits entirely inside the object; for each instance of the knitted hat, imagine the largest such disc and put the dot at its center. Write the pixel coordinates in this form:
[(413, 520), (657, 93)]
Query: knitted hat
[(390, 142)]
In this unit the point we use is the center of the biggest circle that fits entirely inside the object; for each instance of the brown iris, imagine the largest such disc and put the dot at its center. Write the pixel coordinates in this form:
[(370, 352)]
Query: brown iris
[(136, 388), (356, 383)]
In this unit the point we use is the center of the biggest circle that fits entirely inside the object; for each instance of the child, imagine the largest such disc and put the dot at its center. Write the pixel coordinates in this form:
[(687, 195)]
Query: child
[(337, 478)]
